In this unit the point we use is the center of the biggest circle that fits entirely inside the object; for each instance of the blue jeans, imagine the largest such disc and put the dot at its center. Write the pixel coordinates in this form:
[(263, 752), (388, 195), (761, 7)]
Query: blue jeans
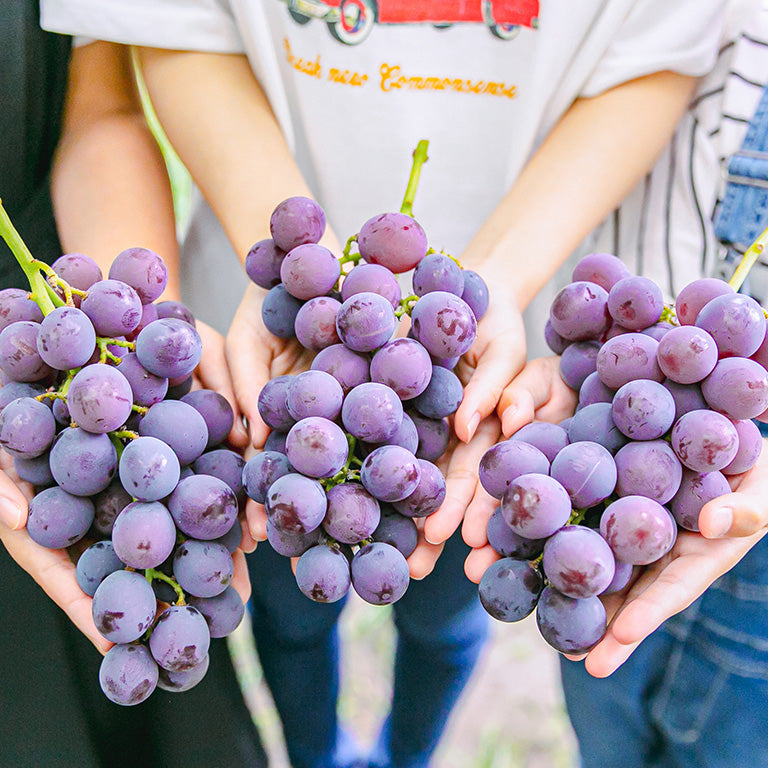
[(441, 629), (694, 694)]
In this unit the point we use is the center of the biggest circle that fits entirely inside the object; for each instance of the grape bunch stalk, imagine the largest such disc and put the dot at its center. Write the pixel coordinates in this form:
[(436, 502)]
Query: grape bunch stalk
[(128, 464), (349, 464), (668, 400)]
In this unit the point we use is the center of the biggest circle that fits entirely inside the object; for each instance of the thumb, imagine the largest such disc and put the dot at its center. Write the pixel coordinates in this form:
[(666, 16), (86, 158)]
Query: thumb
[(13, 505), (733, 515)]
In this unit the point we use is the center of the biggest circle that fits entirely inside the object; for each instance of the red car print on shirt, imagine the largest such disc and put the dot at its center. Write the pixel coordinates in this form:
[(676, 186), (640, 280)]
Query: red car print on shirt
[(351, 21)]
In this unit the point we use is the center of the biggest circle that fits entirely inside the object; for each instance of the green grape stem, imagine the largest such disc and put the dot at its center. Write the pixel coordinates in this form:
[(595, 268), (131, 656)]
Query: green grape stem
[(751, 255), (153, 573), (419, 158), (406, 305)]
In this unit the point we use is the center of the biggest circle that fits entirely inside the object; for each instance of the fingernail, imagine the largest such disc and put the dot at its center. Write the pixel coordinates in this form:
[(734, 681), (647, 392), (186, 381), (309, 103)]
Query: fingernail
[(429, 541), (473, 424), (10, 513), (722, 520)]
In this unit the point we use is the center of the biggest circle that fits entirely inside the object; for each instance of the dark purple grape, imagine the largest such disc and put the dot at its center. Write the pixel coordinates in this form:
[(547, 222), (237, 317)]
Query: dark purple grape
[(144, 535), (347, 367), (635, 302), (315, 325), (372, 278), (16, 305), (578, 562), (147, 388), (232, 539), (372, 412), (316, 447), (605, 269), (639, 530), (438, 272), (27, 428), (380, 573), (365, 322), (19, 357), (394, 240), (178, 682), (202, 568), (61, 412), (578, 361), (99, 398), (621, 578), (695, 490), (83, 463), (296, 221), (223, 613), (203, 507), (108, 505), (148, 315), (35, 471), (216, 410), (58, 519), (262, 263), (594, 391), (648, 468), (149, 469), (444, 324), (568, 624), (595, 423), (175, 309), (95, 564), (66, 338), (687, 397), (180, 638), (314, 393), (143, 270), (475, 293), (406, 437), (506, 461), (279, 311), (261, 470), (296, 504), (276, 442), (390, 473), (128, 674), (123, 606), (322, 574), (352, 514), (442, 396), (579, 312), (404, 366), (554, 340), (510, 589), (273, 403), (179, 425), (113, 307), (169, 347), (508, 543), (429, 493), (434, 436), (398, 531), (226, 465), (292, 544), (535, 506), (179, 387), (16, 389)]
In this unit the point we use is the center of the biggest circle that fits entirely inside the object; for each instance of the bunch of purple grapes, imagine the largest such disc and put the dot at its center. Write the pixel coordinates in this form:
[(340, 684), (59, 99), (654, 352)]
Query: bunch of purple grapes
[(127, 463), (667, 398), (349, 462)]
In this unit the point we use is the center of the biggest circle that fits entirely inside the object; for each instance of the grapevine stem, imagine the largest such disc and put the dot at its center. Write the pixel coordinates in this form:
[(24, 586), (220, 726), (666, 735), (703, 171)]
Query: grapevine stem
[(751, 255), (419, 158), (152, 573)]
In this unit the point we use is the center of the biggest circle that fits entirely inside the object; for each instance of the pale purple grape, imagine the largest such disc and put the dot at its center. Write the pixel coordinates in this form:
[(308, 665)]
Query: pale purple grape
[(578, 562), (314, 393), (394, 240), (227, 466), (406, 437), (178, 682), (95, 564), (475, 293), (621, 578), (16, 305), (510, 544), (404, 366), (595, 423), (123, 606), (99, 398), (295, 503), (578, 361), (58, 519), (366, 321), (27, 428), (296, 221), (695, 295), (390, 473), (506, 461), (750, 446), (628, 357), (202, 568), (444, 324), (169, 347), (261, 470), (605, 269), (428, 495), (554, 340), (108, 504), (292, 544), (66, 338), (232, 539), (35, 471), (113, 307), (737, 387), (179, 425), (570, 625), (223, 613), (216, 410), (616, 330), (19, 357), (687, 397), (510, 589), (262, 263), (315, 325), (644, 409), (372, 278), (705, 441), (347, 367), (203, 507), (322, 574), (535, 505), (649, 469), (380, 573), (15, 389), (437, 272), (352, 514), (658, 330), (687, 354), (143, 270), (635, 302), (696, 489), (316, 447), (148, 315), (147, 388), (279, 311), (180, 638), (309, 271), (579, 312), (550, 439), (434, 436), (149, 469), (144, 534), (61, 413), (273, 403), (128, 675), (638, 529), (736, 322), (372, 412), (587, 471), (442, 396), (83, 463), (276, 442), (398, 531), (175, 309)]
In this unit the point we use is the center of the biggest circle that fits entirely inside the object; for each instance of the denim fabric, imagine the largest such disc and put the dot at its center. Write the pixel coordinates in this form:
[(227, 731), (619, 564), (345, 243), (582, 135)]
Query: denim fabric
[(441, 626), (694, 694)]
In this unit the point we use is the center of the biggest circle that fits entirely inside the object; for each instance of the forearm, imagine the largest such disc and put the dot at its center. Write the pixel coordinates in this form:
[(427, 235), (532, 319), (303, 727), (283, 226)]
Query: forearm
[(595, 155)]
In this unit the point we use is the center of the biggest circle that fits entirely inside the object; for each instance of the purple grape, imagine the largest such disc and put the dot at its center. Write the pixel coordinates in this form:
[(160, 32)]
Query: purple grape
[(550, 439), (179, 387), (406, 437), (554, 340), (578, 562), (696, 489), (144, 535), (695, 295), (232, 539), (223, 613), (95, 564), (128, 674), (99, 398), (372, 278), (365, 322), (658, 330), (380, 573), (202, 568), (578, 361), (276, 442), (175, 309), (216, 410), (149, 469), (58, 519), (347, 367), (316, 447), (178, 682), (108, 505), (292, 544), (579, 312), (736, 323), (434, 436), (262, 263), (309, 271), (444, 324), (296, 504), (687, 397), (27, 428), (627, 357), (203, 507), (535, 506), (621, 578), (570, 625), (587, 471), (635, 302), (737, 387), (16, 305), (83, 463), (314, 393), (179, 425), (16, 389), (322, 574), (123, 606), (644, 410), (315, 325), (393, 240), (404, 366), (510, 589), (508, 543), (273, 403), (180, 638), (296, 221), (750, 446), (35, 471), (61, 413), (66, 338), (437, 272), (442, 396), (143, 270), (169, 347), (148, 315), (705, 441), (648, 469), (638, 529), (226, 465), (687, 354), (605, 269), (260, 471), (475, 293), (398, 531), (429, 493), (19, 357), (506, 461), (147, 388), (595, 423), (279, 311), (390, 473), (372, 412), (352, 515), (113, 307)]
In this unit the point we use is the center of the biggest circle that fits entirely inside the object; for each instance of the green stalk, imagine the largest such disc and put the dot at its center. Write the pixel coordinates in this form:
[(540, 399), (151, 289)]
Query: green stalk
[(751, 255), (419, 158)]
